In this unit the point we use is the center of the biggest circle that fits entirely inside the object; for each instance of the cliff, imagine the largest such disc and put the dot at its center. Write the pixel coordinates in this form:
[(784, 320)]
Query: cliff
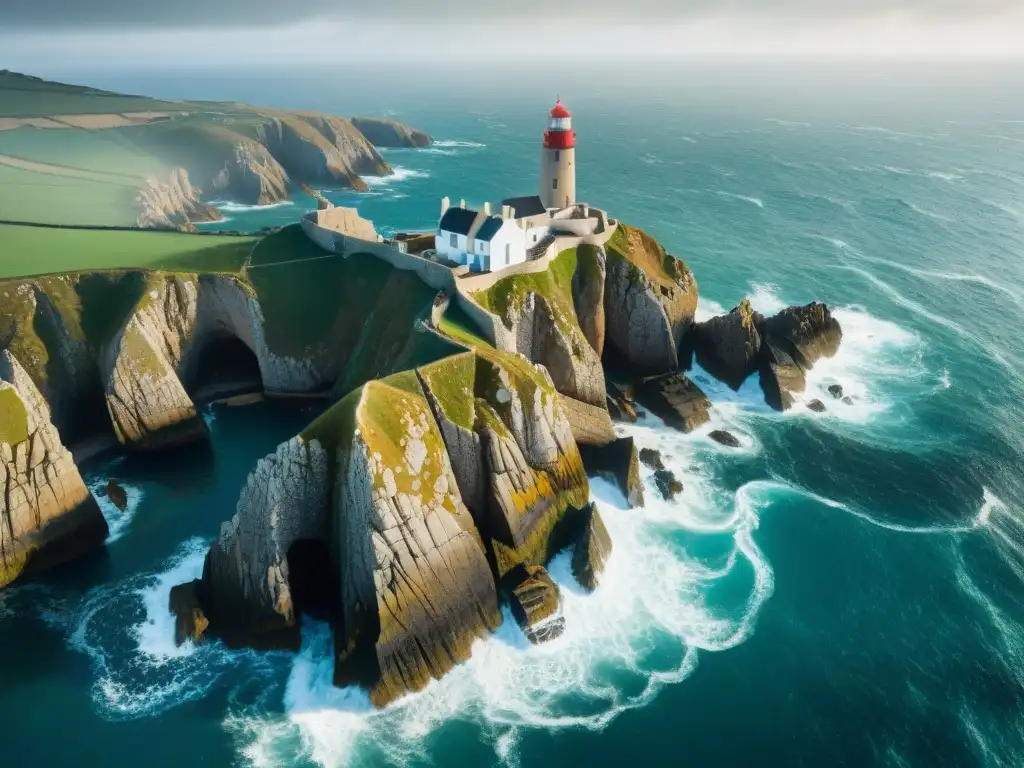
[(47, 515), (389, 133)]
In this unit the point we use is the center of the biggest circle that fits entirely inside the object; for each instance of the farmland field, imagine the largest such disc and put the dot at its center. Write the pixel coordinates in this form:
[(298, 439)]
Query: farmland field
[(28, 251)]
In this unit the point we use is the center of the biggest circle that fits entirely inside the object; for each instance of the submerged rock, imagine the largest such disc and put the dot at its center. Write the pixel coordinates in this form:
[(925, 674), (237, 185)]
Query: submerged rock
[(676, 400), (591, 550), (618, 462), (536, 604), (848, 401), (47, 515), (728, 346), (117, 495), (722, 437), (651, 458), (667, 484)]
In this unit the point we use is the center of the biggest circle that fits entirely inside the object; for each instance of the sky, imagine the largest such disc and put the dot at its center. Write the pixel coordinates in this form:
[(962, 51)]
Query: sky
[(196, 33)]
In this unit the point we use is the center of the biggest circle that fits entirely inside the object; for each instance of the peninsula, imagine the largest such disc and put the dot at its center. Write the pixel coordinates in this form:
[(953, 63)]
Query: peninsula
[(471, 390)]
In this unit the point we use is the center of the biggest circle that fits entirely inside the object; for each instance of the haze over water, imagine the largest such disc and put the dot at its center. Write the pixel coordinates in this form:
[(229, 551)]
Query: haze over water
[(846, 589)]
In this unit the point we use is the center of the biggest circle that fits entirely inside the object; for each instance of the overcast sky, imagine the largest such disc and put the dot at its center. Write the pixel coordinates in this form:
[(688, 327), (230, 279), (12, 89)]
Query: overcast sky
[(197, 32)]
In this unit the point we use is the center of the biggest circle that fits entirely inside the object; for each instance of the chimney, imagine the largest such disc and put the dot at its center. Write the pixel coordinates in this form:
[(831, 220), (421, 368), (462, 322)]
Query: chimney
[(446, 203), (511, 212), (462, 203), (504, 211), (487, 209)]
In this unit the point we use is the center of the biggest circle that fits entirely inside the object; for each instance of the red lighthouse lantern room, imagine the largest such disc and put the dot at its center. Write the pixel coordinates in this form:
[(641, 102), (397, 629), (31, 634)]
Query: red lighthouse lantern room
[(560, 134)]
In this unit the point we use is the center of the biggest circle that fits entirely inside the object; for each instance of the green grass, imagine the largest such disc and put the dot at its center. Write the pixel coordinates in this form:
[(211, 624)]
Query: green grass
[(457, 325), (452, 381), (554, 284), (287, 244), (23, 96), (26, 251), (646, 254), (13, 418), (46, 198)]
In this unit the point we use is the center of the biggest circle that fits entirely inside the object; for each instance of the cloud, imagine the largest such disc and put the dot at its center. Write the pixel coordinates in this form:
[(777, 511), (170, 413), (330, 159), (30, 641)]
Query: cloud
[(113, 14)]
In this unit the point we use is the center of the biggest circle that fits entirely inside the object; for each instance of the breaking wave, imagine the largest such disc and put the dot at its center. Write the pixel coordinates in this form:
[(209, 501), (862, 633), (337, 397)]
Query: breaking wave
[(752, 200), (118, 521), (399, 175)]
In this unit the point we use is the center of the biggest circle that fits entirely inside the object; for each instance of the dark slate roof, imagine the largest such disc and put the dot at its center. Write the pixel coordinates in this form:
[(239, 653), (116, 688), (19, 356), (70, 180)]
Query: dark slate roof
[(489, 229), (458, 220), (526, 206)]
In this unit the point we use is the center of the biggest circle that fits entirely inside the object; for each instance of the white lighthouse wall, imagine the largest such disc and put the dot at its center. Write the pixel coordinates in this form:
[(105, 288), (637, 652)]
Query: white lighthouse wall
[(564, 171)]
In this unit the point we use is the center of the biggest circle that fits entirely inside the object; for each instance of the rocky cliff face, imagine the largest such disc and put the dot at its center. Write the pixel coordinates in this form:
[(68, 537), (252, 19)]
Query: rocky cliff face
[(388, 133), (172, 203), (47, 515), (249, 174), (650, 301), (728, 346)]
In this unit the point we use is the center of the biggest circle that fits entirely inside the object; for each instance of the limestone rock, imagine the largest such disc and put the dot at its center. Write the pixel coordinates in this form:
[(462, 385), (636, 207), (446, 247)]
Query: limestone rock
[(415, 581), (148, 404), (650, 300), (722, 437), (536, 604), (618, 462), (591, 549), (190, 622), (307, 155), (352, 144), (668, 486), (780, 376), (590, 425), (651, 458), (588, 293), (47, 515), (249, 173), (245, 587), (727, 346), (172, 203), (676, 400), (389, 133)]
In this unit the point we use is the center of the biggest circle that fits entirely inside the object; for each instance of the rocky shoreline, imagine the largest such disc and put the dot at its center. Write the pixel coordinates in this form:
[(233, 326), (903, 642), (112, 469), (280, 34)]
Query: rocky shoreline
[(429, 493)]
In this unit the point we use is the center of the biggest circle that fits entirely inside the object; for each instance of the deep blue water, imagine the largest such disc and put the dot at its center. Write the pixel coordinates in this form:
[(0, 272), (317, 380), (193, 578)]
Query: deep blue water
[(846, 589)]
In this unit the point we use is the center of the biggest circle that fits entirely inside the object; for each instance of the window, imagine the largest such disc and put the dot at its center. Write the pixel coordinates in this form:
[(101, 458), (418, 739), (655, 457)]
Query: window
[(508, 253), (557, 155), (455, 241), (554, 183)]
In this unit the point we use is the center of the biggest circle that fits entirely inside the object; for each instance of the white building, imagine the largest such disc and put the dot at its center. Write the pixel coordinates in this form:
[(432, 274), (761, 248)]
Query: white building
[(486, 241)]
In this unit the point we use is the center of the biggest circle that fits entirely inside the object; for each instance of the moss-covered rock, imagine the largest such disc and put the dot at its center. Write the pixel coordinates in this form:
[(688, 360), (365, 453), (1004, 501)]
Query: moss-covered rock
[(650, 301)]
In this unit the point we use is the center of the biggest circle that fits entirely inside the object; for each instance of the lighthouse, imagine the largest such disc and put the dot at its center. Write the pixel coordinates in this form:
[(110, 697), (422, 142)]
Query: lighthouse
[(558, 161)]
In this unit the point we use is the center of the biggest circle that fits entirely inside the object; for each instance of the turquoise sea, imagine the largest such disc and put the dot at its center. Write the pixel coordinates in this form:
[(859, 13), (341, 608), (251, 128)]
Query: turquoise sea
[(847, 589)]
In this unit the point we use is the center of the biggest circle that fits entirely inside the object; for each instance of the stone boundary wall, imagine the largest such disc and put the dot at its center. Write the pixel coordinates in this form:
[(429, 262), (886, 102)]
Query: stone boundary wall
[(437, 276)]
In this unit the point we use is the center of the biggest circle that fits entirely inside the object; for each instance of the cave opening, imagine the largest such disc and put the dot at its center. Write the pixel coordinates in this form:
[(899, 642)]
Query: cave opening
[(225, 366), (312, 580)]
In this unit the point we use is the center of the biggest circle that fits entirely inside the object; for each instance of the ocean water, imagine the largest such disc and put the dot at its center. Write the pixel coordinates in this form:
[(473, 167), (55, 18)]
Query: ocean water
[(846, 588)]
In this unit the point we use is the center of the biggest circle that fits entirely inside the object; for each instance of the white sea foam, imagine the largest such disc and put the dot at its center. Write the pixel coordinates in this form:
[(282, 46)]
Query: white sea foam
[(230, 206), (400, 174), (788, 123), (459, 144), (118, 522), (752, 200), (642, 629), (926, 213)]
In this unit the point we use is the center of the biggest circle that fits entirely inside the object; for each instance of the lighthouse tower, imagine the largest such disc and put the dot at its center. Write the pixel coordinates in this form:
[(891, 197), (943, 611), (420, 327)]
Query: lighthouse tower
[(558, 161)]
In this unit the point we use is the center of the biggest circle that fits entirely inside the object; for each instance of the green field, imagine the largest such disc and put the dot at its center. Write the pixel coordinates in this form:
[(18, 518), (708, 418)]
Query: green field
[(26, 251), (46, 198), (110, 152), (25, 96)]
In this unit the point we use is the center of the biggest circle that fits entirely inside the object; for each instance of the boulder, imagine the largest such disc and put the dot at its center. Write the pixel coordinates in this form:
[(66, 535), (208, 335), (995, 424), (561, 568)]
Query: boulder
[(536, 604), (618, 462), (848, 401), (47, 515), (780, 376), (591, 550), (651, 458), (836, 390), (807, 333), (722, 437), (676, 400), (117, 495), (190, 622), (817, 406), (667, 484), (727, 347)]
